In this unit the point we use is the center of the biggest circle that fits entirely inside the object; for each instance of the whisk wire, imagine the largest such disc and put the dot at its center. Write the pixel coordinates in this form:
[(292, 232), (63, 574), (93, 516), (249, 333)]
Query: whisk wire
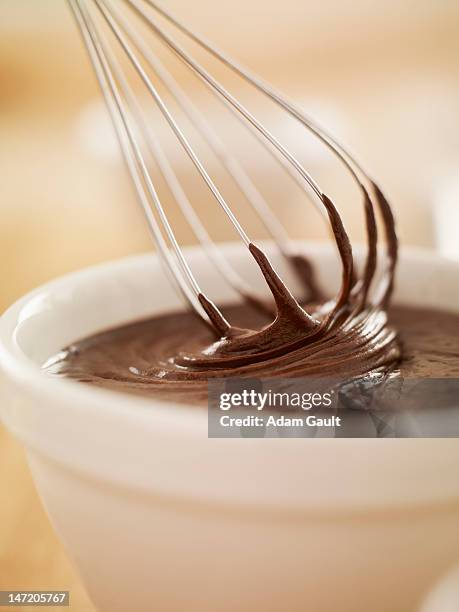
[(197, 118), (366, 184), (133, 127), (114, 26), (186, 285), (231, 163), (217, 88)]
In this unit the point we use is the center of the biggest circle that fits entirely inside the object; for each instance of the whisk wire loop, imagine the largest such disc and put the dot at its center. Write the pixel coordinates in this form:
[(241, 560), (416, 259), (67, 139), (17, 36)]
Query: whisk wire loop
[(137, 137)]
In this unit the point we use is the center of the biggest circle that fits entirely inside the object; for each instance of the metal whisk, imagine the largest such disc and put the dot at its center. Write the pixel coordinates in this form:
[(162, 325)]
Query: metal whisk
[(137, 140)]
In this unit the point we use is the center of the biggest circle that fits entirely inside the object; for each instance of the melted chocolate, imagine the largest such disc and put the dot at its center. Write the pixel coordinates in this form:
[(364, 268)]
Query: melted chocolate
[(348, 335), (142, 357)]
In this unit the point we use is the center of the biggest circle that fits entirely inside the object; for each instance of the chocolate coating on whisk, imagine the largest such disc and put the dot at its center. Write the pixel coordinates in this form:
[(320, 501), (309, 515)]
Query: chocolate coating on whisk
[(346, 336), (357, 331)]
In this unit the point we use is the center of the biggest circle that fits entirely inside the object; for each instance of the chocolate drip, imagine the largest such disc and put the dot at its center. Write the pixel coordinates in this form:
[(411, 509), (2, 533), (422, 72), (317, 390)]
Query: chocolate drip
[(372, 239), (392, 245), (306, 274)]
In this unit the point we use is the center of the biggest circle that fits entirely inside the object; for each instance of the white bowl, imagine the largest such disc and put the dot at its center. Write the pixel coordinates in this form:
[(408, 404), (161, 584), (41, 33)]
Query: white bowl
[(158, 517)]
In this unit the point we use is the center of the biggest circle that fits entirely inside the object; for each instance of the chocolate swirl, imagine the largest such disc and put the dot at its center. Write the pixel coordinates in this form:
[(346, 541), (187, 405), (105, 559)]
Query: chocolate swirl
[(346, 336)]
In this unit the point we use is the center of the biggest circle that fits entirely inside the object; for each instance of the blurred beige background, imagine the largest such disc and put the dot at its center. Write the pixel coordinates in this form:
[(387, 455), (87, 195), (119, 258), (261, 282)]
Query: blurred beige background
[(384, 77)]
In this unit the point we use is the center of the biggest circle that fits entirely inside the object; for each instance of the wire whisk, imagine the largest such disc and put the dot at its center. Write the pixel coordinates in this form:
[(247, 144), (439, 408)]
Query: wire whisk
[(139, 141)]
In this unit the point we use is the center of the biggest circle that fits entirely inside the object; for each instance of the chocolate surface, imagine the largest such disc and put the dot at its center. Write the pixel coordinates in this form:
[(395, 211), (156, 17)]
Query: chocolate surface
[(142, 357)]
